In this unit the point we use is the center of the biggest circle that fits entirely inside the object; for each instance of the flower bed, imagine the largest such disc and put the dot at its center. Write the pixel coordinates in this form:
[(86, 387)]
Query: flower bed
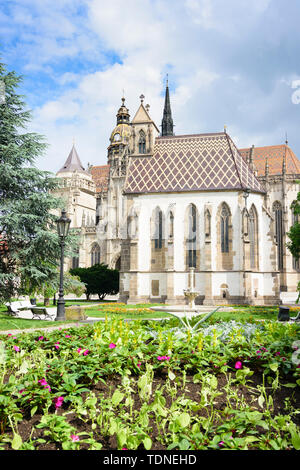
[(150, 385)]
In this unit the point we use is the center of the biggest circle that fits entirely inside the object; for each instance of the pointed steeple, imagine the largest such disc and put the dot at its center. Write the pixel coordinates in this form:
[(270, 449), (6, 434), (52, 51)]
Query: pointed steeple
[(72, 163), (167, 121)]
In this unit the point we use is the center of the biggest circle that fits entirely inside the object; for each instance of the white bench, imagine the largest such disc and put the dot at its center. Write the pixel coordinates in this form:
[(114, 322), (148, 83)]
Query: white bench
[(15, 307)]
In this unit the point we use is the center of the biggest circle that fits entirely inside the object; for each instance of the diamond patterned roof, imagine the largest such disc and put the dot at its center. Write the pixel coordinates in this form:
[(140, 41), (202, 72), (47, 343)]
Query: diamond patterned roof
[(200, 162)]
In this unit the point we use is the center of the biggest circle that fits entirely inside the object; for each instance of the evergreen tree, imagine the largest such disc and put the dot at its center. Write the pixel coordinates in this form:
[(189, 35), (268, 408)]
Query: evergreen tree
[(29, 245), (98, 279)]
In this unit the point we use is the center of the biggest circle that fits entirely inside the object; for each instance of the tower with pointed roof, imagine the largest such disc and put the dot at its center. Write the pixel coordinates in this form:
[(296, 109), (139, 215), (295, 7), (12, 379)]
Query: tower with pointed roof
[(144, 131), (167, 120), (77, 188)]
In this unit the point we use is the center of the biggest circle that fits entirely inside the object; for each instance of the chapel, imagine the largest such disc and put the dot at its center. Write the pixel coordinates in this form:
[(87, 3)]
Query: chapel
[(166, 207)]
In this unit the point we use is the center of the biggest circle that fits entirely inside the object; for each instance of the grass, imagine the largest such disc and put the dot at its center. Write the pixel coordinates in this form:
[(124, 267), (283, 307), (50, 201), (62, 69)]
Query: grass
[(132, 312)]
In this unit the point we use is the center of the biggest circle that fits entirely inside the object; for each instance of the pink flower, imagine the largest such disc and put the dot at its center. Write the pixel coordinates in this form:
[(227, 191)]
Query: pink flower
[(9, 334), (40, 338), (139, 364), (56, 346), (221, 443), (45, 384), (43, 381), (277, 354), (68, 336), (74, 437), (112, 346), (238, 365), (78, 350), (163, 358), (124, 448), (58, 401), (85, 352), (16, 348)]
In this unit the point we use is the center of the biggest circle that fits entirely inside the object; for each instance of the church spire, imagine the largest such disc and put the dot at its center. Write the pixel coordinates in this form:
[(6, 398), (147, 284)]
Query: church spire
[(167, 121)]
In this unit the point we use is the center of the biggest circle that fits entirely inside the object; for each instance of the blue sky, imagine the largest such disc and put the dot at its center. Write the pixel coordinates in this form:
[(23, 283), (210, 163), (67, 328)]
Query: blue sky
[(233, 63)]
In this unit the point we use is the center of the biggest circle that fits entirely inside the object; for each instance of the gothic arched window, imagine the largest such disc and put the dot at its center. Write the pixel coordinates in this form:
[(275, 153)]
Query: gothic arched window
[(253, 237), (158, 229), (171, 225), (75, 260), (277, 209), (142, 142), (224, 216), (95, 254), (192, 237)]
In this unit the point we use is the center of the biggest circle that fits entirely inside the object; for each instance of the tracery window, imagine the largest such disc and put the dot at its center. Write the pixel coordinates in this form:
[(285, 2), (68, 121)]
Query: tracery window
[(95, 254), (277, 209), (192, 237), (171, 225), (75, 260), (142, 142), (253, 237), (158, 229), (224, 216)]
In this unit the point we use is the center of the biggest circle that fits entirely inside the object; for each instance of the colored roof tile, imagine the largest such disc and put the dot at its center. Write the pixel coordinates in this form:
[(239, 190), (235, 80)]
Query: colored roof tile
[(100, 176), (200, 162), (275, 155)]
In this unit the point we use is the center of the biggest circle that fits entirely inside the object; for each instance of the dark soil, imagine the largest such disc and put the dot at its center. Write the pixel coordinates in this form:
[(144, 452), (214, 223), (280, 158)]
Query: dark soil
[(27, 427)]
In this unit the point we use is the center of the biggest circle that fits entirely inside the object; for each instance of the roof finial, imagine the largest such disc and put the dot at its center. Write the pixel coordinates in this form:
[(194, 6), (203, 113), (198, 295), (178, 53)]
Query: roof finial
[(267, 167), (167, 83), (73, 141), (142, 98), (286, 139), (225, 128)]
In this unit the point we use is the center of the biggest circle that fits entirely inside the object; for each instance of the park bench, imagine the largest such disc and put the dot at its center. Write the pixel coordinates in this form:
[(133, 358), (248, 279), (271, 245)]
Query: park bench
[(15, 307), (39, 313)]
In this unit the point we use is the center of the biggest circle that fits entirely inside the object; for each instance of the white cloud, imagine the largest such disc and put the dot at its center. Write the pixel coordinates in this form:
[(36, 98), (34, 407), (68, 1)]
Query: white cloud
[(149, 38)]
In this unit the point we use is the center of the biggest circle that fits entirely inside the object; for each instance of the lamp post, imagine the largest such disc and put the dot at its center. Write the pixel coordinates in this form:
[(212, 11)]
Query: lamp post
[(63, 225)]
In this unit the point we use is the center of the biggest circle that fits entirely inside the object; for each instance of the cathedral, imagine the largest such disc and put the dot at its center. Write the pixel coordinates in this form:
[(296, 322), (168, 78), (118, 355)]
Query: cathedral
[(167, 207)]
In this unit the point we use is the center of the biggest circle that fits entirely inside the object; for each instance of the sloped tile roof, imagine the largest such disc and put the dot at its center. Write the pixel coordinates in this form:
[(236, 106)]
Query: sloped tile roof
[(100, 176), (275, 155), (191, 163), (72, 163)]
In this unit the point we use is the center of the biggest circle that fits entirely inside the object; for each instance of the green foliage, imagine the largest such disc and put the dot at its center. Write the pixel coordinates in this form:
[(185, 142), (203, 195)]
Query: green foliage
[(294, 233), (147, 372), (29, 252), (98, 279)]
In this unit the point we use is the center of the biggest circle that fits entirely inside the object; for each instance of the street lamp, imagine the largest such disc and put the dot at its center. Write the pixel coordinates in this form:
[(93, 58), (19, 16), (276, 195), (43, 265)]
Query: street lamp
[(63, 225)]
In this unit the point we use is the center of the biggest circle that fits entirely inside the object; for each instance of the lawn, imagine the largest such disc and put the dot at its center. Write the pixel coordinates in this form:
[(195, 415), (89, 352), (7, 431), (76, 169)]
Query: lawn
[(138, 312), (231, 385)]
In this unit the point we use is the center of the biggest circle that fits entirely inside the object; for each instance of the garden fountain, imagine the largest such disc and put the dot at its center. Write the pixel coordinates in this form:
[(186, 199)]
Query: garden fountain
[(190, 310), (190, 292)]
